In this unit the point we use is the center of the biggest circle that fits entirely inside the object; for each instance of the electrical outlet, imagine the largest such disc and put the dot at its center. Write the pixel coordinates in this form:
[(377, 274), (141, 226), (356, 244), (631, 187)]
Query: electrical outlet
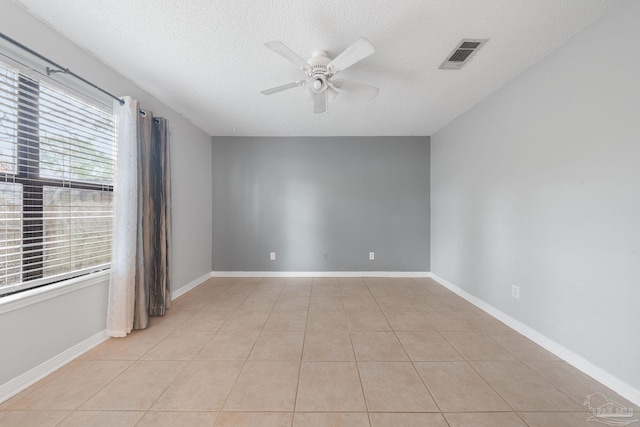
[(273, 256), (372, 256), (515, 291)]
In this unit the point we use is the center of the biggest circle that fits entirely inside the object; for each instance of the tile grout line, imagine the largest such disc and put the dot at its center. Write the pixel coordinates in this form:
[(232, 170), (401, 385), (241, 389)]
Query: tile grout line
[(244, 363), (203, 308), (304, 339), (465, 361), (526, 363), (188, 362), (133, 362), (411, 361), (482, 377), (364, 396)]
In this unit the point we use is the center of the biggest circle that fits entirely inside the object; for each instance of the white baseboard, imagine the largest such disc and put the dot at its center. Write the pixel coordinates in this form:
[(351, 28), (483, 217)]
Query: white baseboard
[(34, 375), (30, 377), (192, 284), (320, 274), (616, 384)]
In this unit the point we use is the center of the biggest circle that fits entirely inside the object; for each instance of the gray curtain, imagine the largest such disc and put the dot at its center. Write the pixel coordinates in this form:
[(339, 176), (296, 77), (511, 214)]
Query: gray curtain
[(153, 251)]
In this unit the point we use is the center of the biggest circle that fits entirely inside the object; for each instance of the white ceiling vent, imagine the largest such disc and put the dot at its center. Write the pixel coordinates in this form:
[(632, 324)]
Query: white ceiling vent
[(462, 53)]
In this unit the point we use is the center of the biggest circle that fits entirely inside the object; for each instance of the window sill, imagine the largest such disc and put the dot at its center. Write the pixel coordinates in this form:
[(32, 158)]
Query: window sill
[(34, 296)]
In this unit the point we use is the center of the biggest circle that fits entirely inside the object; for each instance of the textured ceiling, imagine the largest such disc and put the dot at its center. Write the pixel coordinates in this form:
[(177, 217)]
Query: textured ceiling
[(206, 58)]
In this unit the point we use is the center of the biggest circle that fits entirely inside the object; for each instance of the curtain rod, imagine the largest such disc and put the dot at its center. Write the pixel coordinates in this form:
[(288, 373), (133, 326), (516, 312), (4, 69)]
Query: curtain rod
[(59, 68)]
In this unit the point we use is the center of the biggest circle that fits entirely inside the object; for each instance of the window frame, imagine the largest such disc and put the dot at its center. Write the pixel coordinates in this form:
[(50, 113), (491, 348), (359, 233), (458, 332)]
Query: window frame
[(27, 174)]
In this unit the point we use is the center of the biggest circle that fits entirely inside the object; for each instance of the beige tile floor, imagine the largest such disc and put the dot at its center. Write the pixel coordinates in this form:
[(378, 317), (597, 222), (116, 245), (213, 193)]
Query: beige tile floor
[(313, 352)]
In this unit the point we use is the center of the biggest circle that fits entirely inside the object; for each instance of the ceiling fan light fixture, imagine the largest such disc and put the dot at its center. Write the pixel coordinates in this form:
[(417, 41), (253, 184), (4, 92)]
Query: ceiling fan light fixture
[(321, 70), (319, 83)]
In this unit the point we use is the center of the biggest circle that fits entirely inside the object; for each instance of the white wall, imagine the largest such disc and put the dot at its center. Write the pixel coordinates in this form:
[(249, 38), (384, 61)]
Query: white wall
[(75, 316), (539, 186)]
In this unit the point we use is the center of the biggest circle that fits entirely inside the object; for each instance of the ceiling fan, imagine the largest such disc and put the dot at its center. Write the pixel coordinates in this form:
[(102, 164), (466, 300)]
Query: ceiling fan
[(321, 72)]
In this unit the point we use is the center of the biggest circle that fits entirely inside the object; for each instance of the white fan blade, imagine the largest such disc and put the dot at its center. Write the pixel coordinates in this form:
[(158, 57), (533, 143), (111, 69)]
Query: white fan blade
[(320, 102), (356, 88), (307, 94), (280, 88), (282, 50), (332, 92), (354, 53)]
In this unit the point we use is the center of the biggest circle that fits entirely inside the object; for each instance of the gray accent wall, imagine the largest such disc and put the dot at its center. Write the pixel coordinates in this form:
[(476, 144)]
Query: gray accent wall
[(321, 204), (539, 186)]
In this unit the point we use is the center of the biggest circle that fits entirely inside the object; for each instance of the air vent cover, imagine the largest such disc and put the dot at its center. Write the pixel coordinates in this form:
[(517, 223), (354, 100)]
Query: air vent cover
[(462, 53)]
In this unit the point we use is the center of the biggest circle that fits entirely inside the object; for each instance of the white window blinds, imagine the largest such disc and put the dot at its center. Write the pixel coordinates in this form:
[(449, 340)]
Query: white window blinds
[(56, 184)]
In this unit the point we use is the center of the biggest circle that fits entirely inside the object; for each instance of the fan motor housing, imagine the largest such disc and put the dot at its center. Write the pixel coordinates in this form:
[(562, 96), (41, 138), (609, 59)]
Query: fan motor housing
[(319, 61)]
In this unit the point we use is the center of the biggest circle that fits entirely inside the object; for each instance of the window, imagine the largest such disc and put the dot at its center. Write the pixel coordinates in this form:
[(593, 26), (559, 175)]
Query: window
[(57, 157)]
